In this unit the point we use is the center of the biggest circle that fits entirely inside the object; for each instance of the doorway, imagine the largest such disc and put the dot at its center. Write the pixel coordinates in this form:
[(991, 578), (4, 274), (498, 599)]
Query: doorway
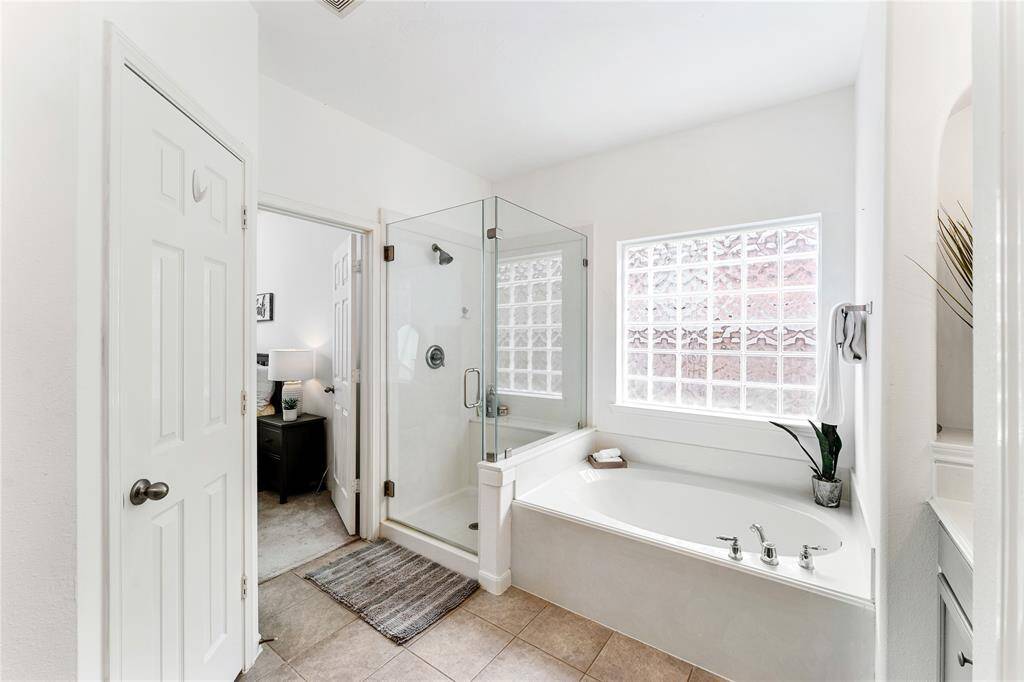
[(309, 324)]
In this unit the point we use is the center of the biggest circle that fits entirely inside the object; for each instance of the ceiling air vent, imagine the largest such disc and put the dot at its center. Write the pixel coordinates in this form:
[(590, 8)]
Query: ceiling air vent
[(341, 7)]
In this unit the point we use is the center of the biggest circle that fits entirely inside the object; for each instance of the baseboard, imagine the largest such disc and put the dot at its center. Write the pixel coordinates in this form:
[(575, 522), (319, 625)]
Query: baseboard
[(495, 584)]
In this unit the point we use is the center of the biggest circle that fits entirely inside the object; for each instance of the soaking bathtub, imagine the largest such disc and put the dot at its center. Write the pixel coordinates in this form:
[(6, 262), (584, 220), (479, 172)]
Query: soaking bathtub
[(636, 550)]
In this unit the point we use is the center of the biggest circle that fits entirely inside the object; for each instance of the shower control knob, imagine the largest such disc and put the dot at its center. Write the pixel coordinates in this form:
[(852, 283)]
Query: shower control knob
[(435, 357)]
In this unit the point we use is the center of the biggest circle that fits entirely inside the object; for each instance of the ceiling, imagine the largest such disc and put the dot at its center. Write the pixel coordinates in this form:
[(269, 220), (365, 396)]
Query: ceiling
[(501, 88)]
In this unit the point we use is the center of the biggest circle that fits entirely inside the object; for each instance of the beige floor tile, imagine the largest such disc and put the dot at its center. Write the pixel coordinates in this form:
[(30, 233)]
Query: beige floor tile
[(282, 673), (301, 626), (283, 591), (511, 611), (567, 636), (522, 661), (302, 570), (352, 653), (268, 666), (407, 667), (461, 645), (701, 675), (624, 659)]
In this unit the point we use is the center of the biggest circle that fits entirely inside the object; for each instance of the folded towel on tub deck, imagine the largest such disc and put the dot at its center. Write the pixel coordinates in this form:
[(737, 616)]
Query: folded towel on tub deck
[(607, 455)]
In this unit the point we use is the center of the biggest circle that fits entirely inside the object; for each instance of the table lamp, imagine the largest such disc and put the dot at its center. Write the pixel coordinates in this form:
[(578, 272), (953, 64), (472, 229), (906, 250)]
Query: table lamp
[(292, 366)]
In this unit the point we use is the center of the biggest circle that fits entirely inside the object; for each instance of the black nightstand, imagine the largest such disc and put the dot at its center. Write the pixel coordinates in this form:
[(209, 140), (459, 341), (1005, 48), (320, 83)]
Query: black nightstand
[(291, 456)]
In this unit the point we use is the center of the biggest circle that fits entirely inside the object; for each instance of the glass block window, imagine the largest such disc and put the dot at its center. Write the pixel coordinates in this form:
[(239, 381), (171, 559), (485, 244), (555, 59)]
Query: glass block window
[(723, 321), (529, 332)]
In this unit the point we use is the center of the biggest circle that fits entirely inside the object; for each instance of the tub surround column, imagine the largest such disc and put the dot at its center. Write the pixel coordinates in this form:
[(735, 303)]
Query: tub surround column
[(495, 519)]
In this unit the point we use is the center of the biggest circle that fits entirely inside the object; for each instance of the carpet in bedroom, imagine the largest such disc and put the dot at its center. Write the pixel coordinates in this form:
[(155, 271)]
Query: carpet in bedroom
[(290, 534)]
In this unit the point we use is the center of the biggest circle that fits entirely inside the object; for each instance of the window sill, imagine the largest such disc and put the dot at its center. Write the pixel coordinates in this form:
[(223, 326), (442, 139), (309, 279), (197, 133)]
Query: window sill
[(706, 417)]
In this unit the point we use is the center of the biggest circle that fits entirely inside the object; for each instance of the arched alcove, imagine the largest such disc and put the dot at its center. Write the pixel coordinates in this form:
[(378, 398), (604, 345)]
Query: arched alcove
[(954, 346)]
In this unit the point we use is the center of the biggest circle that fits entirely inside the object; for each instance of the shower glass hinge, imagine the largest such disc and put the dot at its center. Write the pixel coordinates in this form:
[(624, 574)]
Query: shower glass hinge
[(389, 488), (389, 253), (494, 233)]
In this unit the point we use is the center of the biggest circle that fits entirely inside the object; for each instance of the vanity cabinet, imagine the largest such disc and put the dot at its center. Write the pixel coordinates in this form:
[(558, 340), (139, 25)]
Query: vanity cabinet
[(955, 586)]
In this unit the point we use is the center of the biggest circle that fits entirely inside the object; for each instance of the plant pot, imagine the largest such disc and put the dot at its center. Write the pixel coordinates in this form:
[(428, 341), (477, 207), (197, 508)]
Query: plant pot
[(827, 493), (290, 415)]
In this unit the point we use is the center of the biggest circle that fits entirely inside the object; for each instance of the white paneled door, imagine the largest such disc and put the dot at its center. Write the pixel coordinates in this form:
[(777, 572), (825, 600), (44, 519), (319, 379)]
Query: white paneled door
[(179, 376), (343, 422)]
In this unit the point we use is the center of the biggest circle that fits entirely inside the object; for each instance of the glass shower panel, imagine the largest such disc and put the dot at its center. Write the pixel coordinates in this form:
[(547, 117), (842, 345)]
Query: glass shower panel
[(536, 341), (434, 361)]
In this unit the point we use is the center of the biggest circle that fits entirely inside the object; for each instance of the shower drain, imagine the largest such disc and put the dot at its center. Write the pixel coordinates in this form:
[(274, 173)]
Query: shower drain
[(474, 526)]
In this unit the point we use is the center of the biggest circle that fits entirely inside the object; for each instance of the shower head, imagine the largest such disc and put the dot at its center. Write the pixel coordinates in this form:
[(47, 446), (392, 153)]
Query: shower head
[(443, 257)]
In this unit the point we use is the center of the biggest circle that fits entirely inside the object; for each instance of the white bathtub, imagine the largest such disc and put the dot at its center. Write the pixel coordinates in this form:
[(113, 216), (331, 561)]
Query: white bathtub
[(686, 512), (635, 549)]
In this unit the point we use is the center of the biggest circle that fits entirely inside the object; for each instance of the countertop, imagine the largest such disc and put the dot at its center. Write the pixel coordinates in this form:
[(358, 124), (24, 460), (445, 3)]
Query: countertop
[(958, 519)]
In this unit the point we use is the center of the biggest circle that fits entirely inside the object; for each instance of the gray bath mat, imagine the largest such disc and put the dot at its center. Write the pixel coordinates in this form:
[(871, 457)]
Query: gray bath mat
[(393, 589)]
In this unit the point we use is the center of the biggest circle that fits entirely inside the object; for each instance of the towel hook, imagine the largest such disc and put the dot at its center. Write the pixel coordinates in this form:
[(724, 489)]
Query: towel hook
[(864, 308)]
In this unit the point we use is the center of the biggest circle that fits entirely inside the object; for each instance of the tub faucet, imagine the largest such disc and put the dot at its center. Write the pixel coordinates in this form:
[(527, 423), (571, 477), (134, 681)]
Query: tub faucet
[(768, 553)]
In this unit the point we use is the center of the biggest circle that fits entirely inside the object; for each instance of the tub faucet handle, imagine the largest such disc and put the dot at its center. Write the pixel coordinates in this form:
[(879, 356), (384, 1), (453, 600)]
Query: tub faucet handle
[(735, 553), (806, 559)]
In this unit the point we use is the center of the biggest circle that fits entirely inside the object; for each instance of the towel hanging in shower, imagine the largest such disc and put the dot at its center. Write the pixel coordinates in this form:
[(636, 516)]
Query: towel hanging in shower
[(846, 340)]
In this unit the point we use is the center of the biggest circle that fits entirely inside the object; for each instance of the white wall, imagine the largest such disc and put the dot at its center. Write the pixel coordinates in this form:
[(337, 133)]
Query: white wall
[(37, 492), (294, 260), (870, 236), (324, 157), (928, 70), (788, 160), (954, 350), (53, 273)]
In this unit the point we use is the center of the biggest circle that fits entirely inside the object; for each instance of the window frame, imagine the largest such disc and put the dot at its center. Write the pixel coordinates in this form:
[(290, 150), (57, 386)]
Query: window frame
[(622, 404)]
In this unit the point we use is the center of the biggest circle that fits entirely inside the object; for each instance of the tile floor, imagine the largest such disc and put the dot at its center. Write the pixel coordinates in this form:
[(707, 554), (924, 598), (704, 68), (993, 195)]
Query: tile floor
[(514, 637)]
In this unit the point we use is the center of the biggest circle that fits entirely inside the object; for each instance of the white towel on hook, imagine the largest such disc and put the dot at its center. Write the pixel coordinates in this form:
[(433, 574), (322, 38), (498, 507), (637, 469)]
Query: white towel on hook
[(830, 408), (851, 328)]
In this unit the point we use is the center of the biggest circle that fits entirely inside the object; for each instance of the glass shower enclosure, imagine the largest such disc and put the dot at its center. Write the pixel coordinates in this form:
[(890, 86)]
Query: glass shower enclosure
[(486, 346)]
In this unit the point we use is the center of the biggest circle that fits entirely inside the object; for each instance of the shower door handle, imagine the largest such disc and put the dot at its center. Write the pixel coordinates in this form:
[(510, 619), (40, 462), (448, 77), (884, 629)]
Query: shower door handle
[(465, 394)]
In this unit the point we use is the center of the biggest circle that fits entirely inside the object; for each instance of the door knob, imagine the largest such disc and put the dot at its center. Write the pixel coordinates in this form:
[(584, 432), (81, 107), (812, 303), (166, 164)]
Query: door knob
[(143, 490), (328, 389)]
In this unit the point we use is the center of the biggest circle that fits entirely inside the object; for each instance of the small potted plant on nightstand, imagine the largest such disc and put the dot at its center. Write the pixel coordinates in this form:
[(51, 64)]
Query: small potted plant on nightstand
[(828, 490), (289, 409)]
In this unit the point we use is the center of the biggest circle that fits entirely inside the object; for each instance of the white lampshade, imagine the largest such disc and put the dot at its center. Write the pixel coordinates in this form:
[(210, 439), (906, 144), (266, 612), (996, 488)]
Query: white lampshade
[(290, 365)]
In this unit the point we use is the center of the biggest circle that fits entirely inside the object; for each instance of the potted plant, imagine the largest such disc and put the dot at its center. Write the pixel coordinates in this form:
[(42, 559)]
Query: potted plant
[(290, 409), (828, 490)]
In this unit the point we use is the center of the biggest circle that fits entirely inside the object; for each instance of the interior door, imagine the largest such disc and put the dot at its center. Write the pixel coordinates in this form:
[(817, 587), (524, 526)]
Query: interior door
[(343, 422), (179, 374)]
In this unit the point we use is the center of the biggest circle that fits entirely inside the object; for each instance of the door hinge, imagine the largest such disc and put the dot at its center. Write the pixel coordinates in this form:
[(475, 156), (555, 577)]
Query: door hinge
[(357, 266), (355, 376), (495, 233), (586, 262), (355, 486), (245, 402), (389, 253), (245, 586), (245, 218), (389, 488)]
